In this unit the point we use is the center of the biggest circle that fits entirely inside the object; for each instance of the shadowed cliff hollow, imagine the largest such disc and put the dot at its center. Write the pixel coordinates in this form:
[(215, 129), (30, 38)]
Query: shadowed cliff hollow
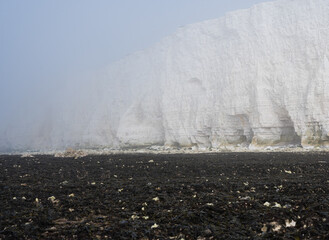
[(256, 77)]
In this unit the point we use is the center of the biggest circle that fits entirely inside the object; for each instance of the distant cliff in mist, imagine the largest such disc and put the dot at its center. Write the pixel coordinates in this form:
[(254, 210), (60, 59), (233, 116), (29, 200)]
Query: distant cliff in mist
[(256, 77)]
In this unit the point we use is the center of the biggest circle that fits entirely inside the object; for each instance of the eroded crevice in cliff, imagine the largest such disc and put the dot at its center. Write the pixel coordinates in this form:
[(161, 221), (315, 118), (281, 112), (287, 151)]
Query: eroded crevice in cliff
[(283, 134), (236, 132), (315, 135)]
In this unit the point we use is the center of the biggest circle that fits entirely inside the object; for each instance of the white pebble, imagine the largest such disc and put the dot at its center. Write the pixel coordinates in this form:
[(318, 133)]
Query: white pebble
[(267, 204), (155, 226), (291, 223)]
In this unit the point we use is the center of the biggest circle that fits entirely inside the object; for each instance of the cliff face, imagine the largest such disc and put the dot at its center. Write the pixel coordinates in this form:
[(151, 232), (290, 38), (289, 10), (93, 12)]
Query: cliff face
[(255, 77), (258, 76)]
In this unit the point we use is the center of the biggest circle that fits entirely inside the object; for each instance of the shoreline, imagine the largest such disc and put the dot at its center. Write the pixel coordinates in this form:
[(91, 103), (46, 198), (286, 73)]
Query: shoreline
[(163, 151)]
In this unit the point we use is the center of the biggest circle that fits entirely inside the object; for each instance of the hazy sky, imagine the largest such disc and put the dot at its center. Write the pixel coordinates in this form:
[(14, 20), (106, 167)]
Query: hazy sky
[(44, 43)]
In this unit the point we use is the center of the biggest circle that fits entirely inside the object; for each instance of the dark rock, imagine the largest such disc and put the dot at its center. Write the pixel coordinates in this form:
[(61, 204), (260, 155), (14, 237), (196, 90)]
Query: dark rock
[(202, 196)]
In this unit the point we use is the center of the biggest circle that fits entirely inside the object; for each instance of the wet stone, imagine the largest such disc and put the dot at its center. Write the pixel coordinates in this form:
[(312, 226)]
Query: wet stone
[(195, 196)]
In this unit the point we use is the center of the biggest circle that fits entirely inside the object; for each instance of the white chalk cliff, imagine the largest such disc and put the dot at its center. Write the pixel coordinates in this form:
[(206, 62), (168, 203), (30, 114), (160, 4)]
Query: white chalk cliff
[(256, 77)]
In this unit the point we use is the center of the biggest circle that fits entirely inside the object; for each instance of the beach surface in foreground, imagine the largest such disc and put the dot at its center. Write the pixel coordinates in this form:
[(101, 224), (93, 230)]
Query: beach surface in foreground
[(145, 196)]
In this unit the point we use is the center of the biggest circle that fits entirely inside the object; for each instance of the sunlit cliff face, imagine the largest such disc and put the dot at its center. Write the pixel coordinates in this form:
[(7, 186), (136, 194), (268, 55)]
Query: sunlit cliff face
[(257, 78)]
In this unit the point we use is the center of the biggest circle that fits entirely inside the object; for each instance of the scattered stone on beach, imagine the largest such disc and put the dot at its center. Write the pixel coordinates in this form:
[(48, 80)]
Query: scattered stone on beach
[(201, 196)]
